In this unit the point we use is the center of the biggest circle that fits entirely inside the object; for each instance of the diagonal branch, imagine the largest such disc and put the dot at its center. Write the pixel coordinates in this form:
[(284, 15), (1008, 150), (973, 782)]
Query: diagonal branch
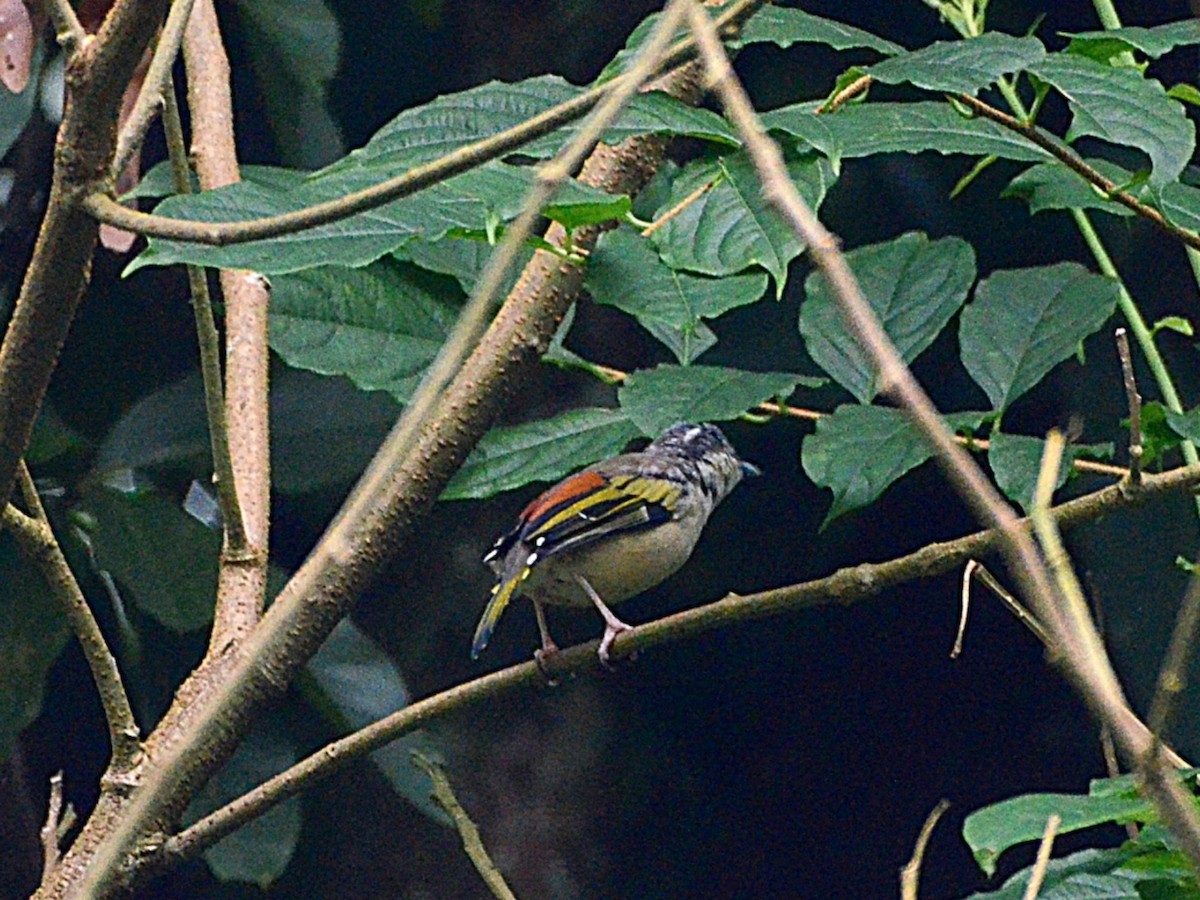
[(107, 210), (845, 587), (1073, 636)]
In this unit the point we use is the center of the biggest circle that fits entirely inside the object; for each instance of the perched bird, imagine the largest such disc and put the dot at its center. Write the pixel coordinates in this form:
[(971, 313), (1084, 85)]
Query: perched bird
[(613, 530)]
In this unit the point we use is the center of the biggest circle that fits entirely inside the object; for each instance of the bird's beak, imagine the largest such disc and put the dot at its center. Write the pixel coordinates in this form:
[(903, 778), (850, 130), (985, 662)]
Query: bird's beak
[(749, 469)]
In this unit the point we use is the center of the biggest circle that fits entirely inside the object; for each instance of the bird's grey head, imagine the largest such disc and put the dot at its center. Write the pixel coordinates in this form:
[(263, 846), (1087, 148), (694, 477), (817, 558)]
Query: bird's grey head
[(706, 448)]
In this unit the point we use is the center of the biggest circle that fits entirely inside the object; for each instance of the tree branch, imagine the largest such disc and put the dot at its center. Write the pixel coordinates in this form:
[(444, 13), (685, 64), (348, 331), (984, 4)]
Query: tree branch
[(242, 579), (1079, 166), (68, 30), (154, 86), (1072, 635), (37, 542), (845, 587), (107, 210)]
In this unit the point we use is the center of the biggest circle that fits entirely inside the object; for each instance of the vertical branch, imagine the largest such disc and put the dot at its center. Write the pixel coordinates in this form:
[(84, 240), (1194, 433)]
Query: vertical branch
[(242, 583), (210, 346), (1135, 408)]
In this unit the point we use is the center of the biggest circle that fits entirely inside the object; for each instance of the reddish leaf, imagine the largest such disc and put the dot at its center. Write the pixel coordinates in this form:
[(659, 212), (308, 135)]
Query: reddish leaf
[(16, 44)]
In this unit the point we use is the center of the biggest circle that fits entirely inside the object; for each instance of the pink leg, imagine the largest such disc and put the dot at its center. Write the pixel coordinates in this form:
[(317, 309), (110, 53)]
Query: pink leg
[(612, 625)]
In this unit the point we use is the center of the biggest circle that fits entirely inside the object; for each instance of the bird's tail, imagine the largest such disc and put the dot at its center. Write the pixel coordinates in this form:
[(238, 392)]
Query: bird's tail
[(501, 594)]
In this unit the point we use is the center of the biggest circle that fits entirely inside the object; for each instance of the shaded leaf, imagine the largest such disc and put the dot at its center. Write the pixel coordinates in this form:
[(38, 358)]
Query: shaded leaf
[(15, 108), (1089, 873), (730, 228), (1179, 203), (546, 450), (865, 129), (913, 284), (16, 45), (260, 850), (1117, 104), (784, 27), (655, 399), (33, 633), (324, 431), (1154, 42), (1016, 460), (1024, 322), (294, 48), (164, 559), (359, 684), (960, 66), (625, 272), (859, 451), (380, 325)]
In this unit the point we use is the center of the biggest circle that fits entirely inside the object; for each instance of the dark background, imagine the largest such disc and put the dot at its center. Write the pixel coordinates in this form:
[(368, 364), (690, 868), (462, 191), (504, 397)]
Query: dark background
[(795, 757)]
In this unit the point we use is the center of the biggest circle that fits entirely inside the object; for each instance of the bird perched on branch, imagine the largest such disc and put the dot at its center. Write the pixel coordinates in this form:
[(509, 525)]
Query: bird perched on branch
[(613, 530)]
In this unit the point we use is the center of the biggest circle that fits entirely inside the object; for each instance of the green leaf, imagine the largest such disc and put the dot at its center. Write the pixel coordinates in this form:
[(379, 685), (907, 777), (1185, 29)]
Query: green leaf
[(469, 202), (160, 182), (15, 109), (1179, 203), (33, 633), (294, 48), (1089, 873), (1016, 460), (784, 27), (380, 325), (356, 683), (1186, 425), (865, 129), (1118, 105), (1185, 93), (163, 558), (730, 227), (462, 258), (259, 851), (625, 272), (914, 286), (859, 451), (1178, 324), (962, 66), (1154, 42), (323, 430), (1158, 436), (511, 457), (655, 399), (1024, 322), (1053, 186), (992, 830)]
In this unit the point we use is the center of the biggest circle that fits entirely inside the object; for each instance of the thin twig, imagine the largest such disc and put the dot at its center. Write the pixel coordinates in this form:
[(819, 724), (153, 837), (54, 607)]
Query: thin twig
[(105, 209), (769, 408), (154, 86), (1090, 672), (844, 588), (50, 828), (1135, 408), (910, 875), (680, 207), (1079, 166), (1173, 676), (472, 843), (1037, 874), (209, 342), (37, 542), (68, 30), (1013, 605)]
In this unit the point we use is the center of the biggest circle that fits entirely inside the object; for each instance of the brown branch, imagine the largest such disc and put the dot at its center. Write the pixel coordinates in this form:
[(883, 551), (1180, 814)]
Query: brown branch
[(1072, 635), (107, 210), (37, 542), (49, 833), (68, 30), (1079, 166), (154, 85), (845, 587), (910, 875), (242, 579), (1135, 408)]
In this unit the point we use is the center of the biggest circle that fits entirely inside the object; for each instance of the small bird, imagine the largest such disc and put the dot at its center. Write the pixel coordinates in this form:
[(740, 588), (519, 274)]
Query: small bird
[(612, 530)]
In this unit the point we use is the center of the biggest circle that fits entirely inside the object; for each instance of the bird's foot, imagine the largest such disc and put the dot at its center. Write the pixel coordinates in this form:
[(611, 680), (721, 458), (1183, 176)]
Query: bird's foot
[(612, 627)]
